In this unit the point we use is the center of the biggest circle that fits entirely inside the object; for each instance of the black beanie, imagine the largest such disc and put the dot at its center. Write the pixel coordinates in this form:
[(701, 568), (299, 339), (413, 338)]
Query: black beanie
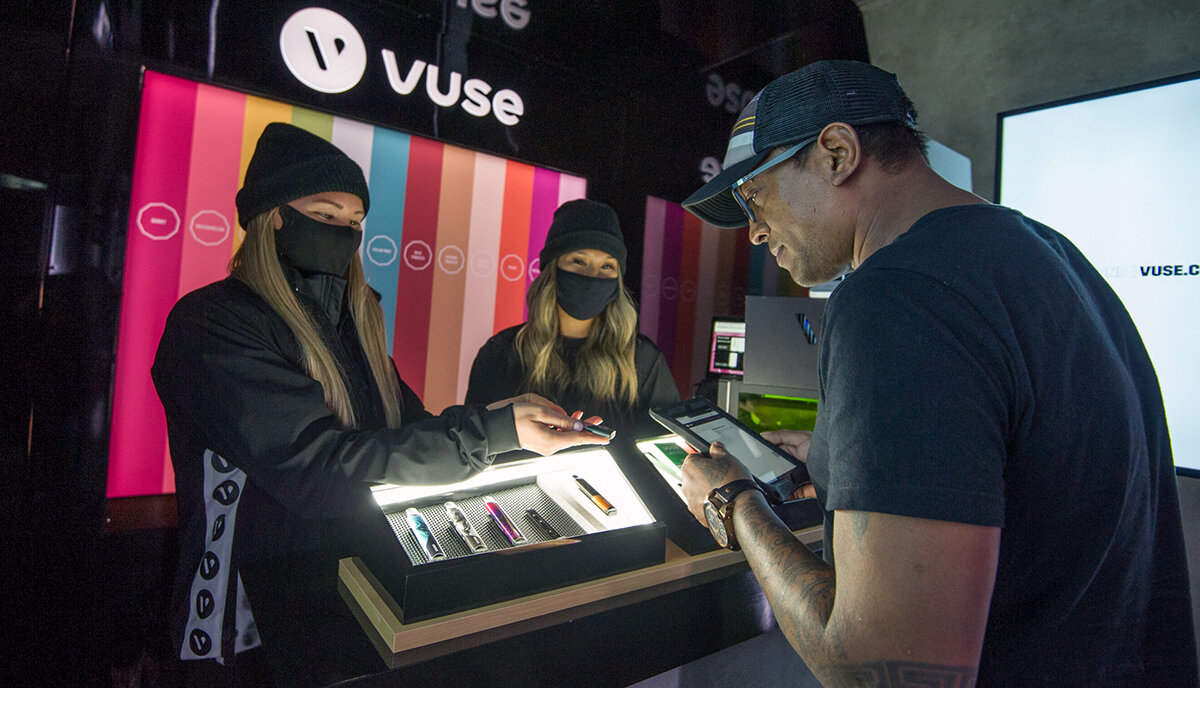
[(289, 163), (584, 224)]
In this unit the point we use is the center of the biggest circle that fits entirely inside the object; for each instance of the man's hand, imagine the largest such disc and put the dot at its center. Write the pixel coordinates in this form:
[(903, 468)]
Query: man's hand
[(795, 443), (703, 473)]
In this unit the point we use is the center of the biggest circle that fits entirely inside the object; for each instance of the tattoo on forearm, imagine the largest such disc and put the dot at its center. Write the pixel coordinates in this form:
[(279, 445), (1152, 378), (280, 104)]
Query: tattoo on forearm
[(801, 587), (895, 674)]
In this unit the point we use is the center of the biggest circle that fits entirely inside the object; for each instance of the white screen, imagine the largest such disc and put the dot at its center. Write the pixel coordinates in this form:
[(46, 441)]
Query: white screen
[(763, 463), (1119, 175)]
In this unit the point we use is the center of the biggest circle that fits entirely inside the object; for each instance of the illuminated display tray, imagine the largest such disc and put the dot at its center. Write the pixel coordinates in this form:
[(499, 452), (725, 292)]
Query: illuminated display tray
[(430, 568), (652, 464)]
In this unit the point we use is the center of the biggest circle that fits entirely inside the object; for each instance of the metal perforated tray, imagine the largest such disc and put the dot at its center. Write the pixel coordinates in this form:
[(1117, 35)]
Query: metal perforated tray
[(514, 501)]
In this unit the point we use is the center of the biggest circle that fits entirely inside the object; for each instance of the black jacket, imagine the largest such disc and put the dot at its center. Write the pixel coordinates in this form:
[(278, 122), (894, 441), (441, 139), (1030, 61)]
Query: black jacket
[(497, 374), (263, 468)]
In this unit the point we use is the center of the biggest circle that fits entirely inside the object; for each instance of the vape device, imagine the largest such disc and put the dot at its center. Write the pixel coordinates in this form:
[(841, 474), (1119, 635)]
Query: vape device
[(594, 495), (420, 528), (599, 431), (542, 524), (512, 532), (463, 527)]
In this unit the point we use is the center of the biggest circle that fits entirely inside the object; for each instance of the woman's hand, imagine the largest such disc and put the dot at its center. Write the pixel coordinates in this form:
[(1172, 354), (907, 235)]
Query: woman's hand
[(546, 429)]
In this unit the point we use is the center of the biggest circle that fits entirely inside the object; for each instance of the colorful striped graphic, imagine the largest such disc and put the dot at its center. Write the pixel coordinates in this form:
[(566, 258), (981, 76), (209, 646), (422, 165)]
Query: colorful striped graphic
[(692, 271), (451, 245)]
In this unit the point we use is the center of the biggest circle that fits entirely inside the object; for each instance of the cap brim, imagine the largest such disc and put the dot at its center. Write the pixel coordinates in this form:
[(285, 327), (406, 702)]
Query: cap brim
[(714, 203)]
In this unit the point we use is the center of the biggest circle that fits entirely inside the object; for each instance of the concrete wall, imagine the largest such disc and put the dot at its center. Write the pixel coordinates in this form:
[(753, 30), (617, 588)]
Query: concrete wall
[(964, 61)]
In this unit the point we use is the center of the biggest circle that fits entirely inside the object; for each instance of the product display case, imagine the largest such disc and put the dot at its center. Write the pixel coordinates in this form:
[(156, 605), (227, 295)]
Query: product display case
[(654, 464), (515, 529)]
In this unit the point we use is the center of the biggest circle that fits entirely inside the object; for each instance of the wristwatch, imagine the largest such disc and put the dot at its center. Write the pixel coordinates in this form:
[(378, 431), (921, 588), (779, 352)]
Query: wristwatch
[(718, 511)]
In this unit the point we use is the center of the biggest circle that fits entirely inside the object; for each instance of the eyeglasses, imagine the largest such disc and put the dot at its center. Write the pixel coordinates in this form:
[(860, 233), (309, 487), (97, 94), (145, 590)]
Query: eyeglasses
[(737, 196)]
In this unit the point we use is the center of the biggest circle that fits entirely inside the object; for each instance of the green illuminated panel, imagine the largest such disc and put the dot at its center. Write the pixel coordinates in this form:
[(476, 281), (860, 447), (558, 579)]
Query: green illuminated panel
[(764, 412)]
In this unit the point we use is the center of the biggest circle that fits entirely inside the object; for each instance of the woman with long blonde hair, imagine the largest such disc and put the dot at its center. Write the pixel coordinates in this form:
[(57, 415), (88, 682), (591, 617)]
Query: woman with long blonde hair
[(580, 346), (283, 404)]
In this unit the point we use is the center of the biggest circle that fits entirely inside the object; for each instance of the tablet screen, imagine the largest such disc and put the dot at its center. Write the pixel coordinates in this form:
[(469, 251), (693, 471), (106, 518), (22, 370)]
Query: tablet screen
[(764, 463)]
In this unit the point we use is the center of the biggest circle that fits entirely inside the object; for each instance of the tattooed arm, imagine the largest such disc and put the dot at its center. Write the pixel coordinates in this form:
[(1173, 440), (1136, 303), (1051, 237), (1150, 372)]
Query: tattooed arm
[(909, 602)]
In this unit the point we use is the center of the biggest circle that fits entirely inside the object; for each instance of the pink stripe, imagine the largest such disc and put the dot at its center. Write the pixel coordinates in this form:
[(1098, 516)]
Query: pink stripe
[(545, 201), (652, 248), (669, 286), (216, 154), (479, 301), (157, 207), (710, 237), (571, 187)]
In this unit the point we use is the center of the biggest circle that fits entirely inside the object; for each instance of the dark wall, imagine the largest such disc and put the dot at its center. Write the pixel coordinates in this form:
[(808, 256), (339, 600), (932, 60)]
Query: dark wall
[(635, 96)]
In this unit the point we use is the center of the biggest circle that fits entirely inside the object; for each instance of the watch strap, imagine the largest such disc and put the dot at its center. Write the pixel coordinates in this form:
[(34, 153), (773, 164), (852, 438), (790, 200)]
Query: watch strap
[(725, 494), (722, 501)]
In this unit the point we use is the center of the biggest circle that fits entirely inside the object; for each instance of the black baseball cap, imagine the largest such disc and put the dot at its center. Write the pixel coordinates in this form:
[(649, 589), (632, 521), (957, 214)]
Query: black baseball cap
[(793, 110)]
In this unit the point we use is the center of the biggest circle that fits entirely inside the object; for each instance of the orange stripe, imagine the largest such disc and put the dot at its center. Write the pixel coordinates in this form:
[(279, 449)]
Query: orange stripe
[(449, 278), (514, 245)]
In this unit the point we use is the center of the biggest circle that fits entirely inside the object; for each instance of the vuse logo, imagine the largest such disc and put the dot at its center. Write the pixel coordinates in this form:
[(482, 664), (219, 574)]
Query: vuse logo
[(323, 50)]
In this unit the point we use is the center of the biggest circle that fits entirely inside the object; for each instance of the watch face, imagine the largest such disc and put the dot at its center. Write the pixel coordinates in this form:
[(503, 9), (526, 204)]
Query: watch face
[(715, 525)]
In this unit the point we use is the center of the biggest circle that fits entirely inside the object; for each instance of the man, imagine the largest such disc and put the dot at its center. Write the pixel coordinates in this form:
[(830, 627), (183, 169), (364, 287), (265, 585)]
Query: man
[(991, 447)]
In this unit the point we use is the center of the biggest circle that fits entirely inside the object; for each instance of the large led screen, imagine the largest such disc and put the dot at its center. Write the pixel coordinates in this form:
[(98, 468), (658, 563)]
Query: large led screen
[(451, 243), (1119, 175)]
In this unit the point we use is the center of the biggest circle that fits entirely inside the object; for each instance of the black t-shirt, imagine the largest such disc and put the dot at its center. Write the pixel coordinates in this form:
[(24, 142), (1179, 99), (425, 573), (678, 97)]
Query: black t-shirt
[(979, 370), (497, 374)]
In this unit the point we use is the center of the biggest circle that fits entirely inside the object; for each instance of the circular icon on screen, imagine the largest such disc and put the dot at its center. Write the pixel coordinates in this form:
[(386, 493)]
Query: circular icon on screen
[(417, 255), (451, 259), (158, 221), (512, 267), (209, 228), (381, 250)]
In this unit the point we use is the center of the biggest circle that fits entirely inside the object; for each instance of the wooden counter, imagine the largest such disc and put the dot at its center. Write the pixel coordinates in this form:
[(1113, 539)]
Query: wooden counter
[(379, 615)]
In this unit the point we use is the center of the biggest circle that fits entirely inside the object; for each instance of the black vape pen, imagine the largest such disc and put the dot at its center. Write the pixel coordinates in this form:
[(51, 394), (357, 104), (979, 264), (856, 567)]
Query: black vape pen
[(542, 524)]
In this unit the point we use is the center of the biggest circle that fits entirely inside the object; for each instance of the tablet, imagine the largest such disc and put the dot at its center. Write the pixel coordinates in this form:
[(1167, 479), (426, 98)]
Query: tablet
[(700, 422)]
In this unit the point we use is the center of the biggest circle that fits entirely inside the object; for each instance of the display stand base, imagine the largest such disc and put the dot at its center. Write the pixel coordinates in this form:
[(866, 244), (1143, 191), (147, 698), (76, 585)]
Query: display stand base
[(380, 616)]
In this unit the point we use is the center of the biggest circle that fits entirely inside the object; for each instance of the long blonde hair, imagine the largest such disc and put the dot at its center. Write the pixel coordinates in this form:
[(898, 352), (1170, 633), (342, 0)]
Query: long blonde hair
[(256, 264), (604, 368)]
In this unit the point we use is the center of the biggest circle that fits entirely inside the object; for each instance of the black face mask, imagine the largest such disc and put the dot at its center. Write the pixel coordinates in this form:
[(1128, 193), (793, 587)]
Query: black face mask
[(313, 246), (584, 297)]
